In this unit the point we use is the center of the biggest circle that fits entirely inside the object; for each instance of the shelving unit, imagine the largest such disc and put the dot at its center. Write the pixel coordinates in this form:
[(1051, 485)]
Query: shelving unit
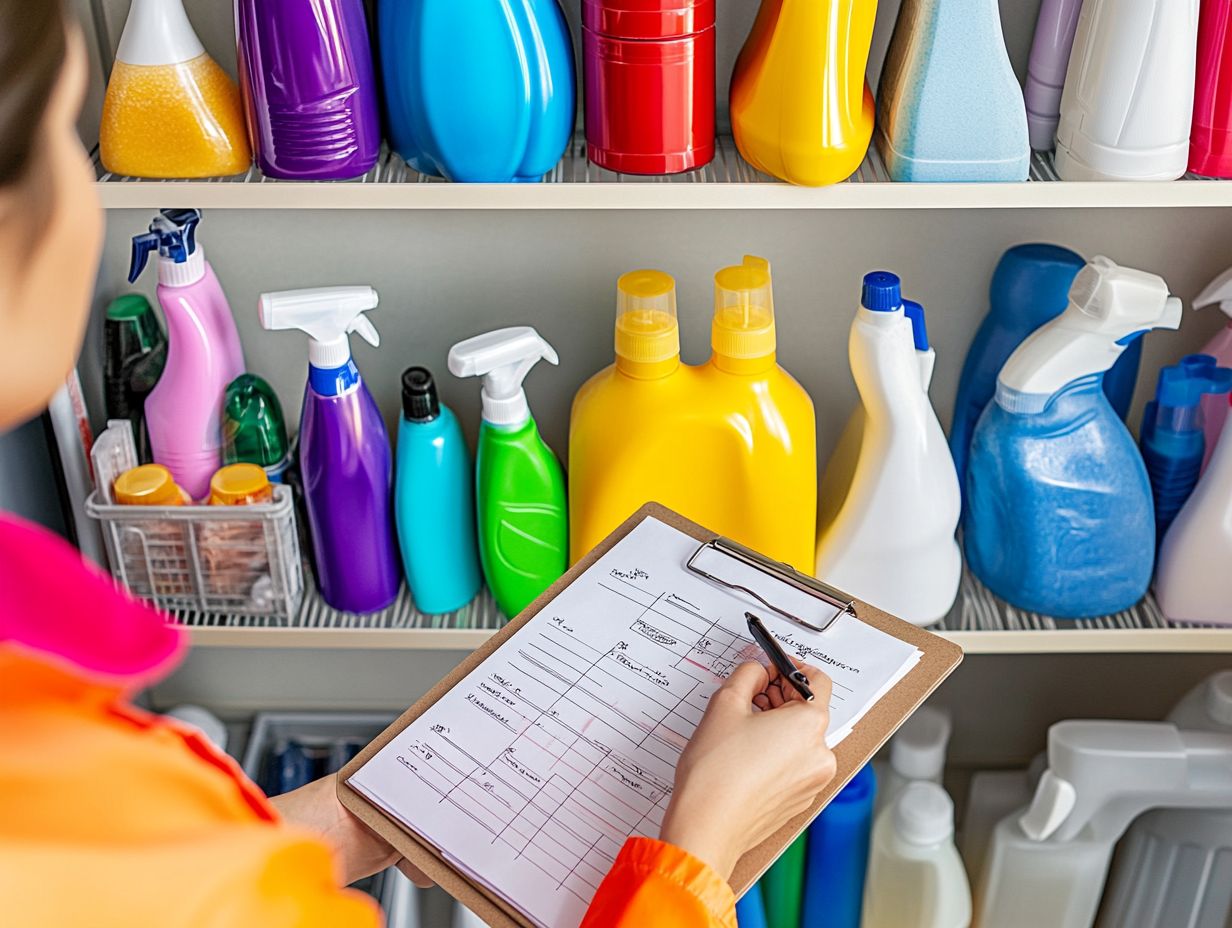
[(728, 182)]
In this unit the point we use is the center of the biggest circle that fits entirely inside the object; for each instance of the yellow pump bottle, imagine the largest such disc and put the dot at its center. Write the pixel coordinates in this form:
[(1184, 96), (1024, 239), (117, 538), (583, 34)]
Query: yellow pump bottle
[(730, 443), (800, 107)]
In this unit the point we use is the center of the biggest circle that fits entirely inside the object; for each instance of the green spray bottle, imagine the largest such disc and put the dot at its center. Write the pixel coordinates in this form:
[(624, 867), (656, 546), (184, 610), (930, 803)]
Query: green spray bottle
[(519, 484)]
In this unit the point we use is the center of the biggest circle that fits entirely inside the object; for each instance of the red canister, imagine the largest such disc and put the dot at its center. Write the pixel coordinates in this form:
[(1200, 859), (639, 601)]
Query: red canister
[(649, 82)]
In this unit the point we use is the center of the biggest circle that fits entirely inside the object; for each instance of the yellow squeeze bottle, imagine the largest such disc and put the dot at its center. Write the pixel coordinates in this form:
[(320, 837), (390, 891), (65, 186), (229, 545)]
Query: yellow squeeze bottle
[(730, 443), (170, 110)]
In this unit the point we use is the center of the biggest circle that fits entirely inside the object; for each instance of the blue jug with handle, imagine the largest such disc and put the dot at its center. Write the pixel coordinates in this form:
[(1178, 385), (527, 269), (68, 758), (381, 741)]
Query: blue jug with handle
[(481, 91)]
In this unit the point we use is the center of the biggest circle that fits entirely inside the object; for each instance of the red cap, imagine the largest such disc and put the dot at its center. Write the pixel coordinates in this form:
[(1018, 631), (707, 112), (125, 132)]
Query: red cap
[(647, 19)]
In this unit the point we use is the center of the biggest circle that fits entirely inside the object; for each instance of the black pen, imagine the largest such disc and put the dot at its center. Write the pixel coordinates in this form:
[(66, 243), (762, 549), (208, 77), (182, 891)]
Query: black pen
[(778, 657)]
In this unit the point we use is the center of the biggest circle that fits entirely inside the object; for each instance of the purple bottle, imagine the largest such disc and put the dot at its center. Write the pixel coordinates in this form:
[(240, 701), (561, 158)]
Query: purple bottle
[(1050, 49), (344, 457), (307, 81)]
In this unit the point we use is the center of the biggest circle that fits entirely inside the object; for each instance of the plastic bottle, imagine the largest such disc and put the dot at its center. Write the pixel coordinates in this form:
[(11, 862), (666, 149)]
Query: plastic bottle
[(1129, 91), (1210, 135), (169, 110), (309, 92), (519, 486), (782, 886), (253, 428), (486, 96), (649, 78), (949, 107), (203, 352), (240, 485), (917, 752), (434, 500), (730, 443), (344, 457), (1214, 411), (148, 485), (750, 910), (1171, 434), (135, 354), (1050, 51), (915, 876), (1059, 518), (838, 844), (801, 109), (903, 503)]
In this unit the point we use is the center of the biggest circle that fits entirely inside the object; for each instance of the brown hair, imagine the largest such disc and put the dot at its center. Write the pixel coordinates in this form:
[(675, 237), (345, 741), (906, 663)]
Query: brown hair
[(33, 43)]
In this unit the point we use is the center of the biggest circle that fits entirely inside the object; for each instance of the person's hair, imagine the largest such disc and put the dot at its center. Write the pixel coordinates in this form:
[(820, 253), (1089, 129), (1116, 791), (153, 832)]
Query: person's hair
[(33, 42)]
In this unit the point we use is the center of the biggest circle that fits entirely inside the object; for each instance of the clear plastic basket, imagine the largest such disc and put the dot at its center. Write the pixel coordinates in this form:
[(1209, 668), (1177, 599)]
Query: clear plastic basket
[(227, 560)]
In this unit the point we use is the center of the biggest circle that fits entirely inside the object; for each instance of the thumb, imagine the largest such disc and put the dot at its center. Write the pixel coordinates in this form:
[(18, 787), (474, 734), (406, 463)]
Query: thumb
[(745, 682)]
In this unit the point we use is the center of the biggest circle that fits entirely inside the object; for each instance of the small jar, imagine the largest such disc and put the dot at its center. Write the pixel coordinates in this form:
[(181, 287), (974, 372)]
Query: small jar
[(235, 552), (148, 485), (154, 550), (240, 485), (649, 81)]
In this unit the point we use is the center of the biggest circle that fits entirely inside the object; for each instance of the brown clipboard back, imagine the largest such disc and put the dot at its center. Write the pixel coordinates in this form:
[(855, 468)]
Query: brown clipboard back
[(940, 657)]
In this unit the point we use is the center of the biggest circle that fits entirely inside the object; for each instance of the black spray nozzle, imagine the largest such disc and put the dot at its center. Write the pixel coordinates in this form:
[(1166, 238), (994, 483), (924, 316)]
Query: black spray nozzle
[(419, 399), (172, 233)]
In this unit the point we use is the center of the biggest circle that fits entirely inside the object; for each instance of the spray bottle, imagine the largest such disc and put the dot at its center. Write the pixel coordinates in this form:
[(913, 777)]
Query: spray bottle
[(519, 484), (1214, 410), (203, 354), (1059, 517), (344, 457)]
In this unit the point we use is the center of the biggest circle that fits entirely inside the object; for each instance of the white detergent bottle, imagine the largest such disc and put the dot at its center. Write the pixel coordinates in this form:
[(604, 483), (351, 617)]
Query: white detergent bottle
[(917, 754), (915, 876), (891, 543), (1128, 100)]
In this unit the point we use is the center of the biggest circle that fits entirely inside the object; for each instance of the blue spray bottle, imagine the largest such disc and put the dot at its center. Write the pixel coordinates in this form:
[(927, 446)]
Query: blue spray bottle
[(1059, 516), (1172, 438), (434, 500), (838, 844)]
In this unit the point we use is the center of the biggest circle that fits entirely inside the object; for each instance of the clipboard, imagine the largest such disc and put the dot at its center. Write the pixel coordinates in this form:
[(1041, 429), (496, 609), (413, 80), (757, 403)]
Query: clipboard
[(939, 659)]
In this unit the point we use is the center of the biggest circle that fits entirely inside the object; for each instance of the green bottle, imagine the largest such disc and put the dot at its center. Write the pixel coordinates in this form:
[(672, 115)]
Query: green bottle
[(135, 352), (253, 428), (782, 886), (519, 484)]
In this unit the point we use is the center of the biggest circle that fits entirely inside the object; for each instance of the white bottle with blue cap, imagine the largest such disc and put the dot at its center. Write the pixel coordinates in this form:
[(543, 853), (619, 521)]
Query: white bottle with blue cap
[(891, 542)]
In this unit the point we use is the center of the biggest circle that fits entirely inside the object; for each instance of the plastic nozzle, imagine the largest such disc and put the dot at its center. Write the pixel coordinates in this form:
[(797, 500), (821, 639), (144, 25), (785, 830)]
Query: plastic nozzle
[(502, 358), (419, 400), (172, 233), (328, 315), (919, 325), (647, 332), (743, 325), (1217, 293)]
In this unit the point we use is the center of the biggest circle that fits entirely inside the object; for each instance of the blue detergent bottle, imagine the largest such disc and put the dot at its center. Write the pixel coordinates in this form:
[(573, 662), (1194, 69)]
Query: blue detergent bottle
[(482, 91), (1171, 438), (434, 500), (1059, 516), (750, 910), (838, 844), (1030, 287)]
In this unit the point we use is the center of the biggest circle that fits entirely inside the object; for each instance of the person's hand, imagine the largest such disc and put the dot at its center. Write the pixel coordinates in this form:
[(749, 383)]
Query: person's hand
[(746, 773), (360, 851)]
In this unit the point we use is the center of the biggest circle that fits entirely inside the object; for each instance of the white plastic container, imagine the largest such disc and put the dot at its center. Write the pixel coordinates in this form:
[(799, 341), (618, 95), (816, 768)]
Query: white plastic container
[(915, 876), (1214, 408), (1128, 100), (891, 542), (917, 754)]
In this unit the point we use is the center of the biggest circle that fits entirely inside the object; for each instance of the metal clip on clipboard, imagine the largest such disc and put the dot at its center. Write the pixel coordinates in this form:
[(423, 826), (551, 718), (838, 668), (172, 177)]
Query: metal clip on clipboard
[(791, 594)]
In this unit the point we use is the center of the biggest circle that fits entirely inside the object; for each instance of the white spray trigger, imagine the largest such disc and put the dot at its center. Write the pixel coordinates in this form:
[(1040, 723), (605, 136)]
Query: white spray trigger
[(328, 315), (1054, 801), (363, 327), (502, 358), (1217, 292)]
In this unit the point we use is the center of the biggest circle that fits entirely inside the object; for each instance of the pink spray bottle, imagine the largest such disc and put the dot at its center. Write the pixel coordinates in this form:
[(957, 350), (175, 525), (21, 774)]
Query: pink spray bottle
[(1215, 408), (204, 355)]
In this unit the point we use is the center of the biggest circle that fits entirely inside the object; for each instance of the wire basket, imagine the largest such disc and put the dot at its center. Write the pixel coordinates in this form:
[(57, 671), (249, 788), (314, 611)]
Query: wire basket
[(234, 560)]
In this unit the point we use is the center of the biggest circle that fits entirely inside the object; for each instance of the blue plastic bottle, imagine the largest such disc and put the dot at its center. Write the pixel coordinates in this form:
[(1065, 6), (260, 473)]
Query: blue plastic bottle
[(838, 843), (750, 910), (1030, 286), (478, 91), (1172, 437), (1059, 517), (434, 500)]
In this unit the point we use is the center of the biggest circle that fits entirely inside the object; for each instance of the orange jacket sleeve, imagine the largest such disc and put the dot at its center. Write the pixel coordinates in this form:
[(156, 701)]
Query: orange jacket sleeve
[(653, 884)]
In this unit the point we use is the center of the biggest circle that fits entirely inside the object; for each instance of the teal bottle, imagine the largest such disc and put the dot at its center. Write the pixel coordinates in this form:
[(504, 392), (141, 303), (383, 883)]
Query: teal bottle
[(434, 505)]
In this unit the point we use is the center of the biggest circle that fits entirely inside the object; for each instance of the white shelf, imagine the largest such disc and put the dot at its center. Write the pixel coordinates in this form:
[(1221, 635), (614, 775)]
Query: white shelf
[(979, 622), (726, 183)]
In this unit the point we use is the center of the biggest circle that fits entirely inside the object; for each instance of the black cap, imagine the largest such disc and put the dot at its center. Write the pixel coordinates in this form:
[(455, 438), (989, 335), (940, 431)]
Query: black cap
[(419, 401)]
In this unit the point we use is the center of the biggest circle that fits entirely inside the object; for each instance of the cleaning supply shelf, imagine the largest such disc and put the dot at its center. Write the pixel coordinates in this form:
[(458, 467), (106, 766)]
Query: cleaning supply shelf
[(728, 182), (979, 622)]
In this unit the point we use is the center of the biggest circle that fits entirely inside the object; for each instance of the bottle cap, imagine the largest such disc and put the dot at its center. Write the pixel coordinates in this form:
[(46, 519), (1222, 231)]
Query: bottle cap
[(1185, 383), (882, 292), (924, 814), (919, 326), (148, 485), (253, 428), (917, 750), (240, 485), (743, 325), (646, 328), (419, 400), (127, 307)]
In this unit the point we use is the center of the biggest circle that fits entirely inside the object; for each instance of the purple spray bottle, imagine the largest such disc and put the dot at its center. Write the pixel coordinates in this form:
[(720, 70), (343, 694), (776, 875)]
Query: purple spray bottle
[(306, 77), (344, 457)]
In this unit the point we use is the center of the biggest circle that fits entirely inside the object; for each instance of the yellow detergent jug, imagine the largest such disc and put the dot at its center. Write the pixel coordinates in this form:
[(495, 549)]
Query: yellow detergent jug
[(730, 443), (800, 107), (170, 110)]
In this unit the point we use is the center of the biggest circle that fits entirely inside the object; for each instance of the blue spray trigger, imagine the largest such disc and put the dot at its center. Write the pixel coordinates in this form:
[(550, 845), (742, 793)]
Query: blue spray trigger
[(919, 327), (142, 246), (173, 232)]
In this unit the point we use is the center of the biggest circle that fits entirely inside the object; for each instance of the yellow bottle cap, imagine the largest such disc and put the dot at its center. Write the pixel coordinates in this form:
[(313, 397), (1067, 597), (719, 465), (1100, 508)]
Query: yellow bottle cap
[(743, 325), (646, 327), (148, 485), (240, 485)]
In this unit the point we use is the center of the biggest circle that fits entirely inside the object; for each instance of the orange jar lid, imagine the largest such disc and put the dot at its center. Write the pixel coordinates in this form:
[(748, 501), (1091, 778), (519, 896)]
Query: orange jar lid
[(148, 485), (240, 485)]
